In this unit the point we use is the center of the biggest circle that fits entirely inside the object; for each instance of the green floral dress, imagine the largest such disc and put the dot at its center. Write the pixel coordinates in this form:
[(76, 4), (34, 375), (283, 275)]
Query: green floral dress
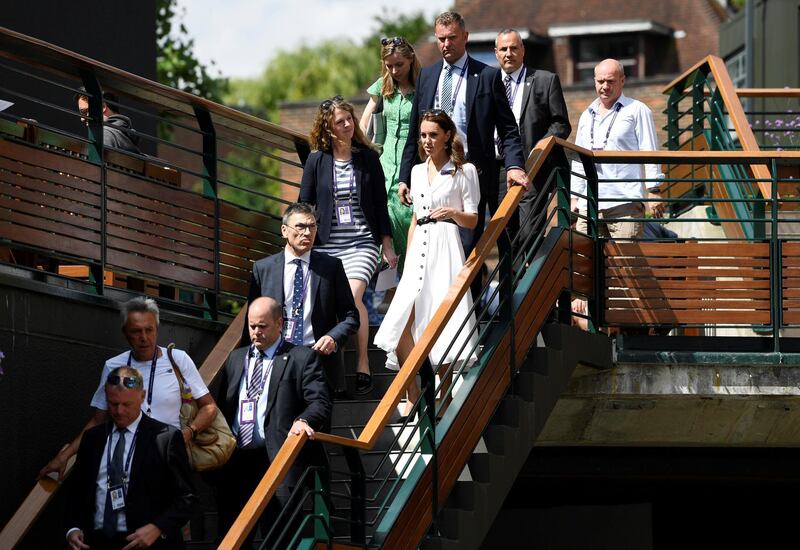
[(397, 113)]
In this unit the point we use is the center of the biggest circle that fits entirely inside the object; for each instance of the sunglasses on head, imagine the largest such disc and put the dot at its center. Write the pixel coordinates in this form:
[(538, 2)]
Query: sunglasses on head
[(434, 112), (394, 41), (325, 105), (129, 382)]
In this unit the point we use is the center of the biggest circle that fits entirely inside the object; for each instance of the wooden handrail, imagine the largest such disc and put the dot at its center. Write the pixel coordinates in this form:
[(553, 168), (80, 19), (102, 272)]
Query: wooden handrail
[(768, 92), (729, 95), (46, 488), (380, 418)]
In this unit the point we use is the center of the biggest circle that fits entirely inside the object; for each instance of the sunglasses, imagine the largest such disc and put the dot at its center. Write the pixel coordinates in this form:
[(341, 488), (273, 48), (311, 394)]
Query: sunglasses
[(434, 112), (325, 105), (394, 41), (129, 382), (84, 112)]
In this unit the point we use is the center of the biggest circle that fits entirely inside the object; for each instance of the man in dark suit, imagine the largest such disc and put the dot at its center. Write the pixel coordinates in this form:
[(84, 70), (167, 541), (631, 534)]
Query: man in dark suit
[(322, 314), (536, 99), (472, 94), (132, 485), (268, 391)]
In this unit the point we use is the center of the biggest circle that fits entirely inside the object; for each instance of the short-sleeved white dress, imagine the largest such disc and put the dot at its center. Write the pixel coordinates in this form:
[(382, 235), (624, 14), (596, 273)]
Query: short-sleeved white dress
[(434, 259)]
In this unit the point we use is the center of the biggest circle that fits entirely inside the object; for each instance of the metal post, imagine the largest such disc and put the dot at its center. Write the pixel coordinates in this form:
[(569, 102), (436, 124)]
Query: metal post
[(210, 189), (427, 428), (673, 119), (96, 149), (776, 266), (592, 213), (563, 205), (321, 508), (358, 496)]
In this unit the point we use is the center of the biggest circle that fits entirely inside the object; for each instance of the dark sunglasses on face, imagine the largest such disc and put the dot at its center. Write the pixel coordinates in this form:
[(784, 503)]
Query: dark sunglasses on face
[(394, 41), (325, 105), (129, 382), (84, 112)]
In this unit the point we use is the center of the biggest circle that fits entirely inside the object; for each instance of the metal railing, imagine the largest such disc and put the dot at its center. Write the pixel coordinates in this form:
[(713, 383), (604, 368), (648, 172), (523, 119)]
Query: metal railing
[(182, 218)]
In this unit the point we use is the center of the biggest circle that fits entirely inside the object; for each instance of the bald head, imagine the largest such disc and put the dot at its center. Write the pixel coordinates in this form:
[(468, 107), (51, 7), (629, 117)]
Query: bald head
[(609, 79), (264, 321)]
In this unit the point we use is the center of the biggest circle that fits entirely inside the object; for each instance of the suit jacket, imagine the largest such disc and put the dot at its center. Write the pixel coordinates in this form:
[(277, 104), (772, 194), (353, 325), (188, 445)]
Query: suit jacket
[(316, 188), (544, 112), (334, 312), (297, 389), (160, 490), (487, 108)]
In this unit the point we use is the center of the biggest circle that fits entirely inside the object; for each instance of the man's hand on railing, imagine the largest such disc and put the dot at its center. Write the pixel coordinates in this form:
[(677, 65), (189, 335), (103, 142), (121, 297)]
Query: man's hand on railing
[(57, 465), (300, 426), (516, 176)]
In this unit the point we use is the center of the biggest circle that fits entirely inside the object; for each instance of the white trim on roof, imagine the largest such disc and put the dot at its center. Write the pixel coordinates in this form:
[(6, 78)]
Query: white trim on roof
[(607, 27)]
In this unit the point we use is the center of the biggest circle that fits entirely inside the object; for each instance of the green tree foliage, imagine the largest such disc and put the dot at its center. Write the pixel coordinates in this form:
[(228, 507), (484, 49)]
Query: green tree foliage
[(332, 67), (176, 64)]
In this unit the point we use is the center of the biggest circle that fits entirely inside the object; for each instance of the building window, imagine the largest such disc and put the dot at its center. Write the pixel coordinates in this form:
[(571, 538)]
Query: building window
[(737, 68), (591, 50)]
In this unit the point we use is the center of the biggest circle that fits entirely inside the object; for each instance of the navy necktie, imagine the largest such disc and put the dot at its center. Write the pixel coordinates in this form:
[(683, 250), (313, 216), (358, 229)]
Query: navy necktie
[(507, 81), (115, 474), (297, 303)]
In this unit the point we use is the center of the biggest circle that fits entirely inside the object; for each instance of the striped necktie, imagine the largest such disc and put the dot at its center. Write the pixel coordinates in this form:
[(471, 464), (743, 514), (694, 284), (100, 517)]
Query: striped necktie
[(507, 81), (254, 387), (115, 478), (446, 93)]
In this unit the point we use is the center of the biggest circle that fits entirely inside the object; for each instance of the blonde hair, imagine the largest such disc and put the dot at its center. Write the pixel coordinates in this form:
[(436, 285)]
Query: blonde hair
[(321, 136), (401, 46), (454, 146)]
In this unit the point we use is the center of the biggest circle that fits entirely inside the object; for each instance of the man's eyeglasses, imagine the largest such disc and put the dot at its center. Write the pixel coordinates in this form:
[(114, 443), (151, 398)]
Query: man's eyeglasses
[(303, 227), (394, 41), (129, 382), (325, 105)]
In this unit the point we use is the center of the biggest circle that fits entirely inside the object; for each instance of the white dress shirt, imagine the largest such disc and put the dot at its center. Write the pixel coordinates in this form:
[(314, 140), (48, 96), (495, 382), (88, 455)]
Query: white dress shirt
[(517, 91), (102, 479), (263, 399), (459, 115), (288, 290), (629, 126)]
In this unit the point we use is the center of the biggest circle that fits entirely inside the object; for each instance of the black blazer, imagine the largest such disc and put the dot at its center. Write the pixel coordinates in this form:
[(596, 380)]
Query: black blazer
[(487, 108), (160, 490), (316, 188), (297, 389), (334, 312), (544, 111)]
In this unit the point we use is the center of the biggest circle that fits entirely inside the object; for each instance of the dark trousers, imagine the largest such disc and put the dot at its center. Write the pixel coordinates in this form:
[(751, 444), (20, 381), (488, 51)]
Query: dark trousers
[(235, 484), (487, 180)]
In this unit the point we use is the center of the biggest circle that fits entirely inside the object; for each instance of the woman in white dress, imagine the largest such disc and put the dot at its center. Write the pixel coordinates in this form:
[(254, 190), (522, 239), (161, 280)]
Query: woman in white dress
[(445, 197)]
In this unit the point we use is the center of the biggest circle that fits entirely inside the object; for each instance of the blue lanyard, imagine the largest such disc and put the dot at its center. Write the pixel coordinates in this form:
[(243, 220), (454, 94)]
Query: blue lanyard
[(152, 377), (335, 185), (127, 467), (617, 108)]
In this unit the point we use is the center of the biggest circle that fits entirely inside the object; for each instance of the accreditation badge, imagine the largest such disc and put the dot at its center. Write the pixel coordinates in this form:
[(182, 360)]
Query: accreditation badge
[(344, 214), (247, 412), (117, 494), (289, 326)]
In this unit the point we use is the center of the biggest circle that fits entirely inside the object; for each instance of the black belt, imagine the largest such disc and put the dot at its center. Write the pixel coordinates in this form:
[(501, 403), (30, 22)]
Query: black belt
[(427, 219)]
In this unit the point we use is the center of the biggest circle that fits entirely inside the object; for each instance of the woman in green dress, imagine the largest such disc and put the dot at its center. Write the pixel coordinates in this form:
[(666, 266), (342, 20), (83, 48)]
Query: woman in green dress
[(399, 72)]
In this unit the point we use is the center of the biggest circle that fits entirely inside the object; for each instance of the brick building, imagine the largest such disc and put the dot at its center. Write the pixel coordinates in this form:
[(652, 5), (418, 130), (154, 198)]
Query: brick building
[(655, 41)]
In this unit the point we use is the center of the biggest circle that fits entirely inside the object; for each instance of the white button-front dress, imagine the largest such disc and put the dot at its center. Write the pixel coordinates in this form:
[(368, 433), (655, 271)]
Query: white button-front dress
[(434, 259)]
